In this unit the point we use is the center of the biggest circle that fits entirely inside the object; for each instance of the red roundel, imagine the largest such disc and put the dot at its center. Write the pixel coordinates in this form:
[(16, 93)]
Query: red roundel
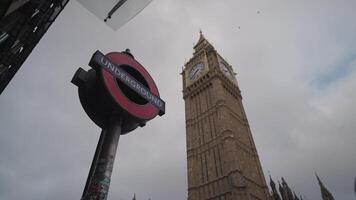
[(145, 111)]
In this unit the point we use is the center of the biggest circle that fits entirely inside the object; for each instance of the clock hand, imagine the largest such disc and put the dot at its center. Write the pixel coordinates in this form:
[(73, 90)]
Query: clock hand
[(196, 71), (194, 74)]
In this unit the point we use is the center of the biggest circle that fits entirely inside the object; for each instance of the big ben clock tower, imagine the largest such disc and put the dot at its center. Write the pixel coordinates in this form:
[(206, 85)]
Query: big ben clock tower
[(222, 160)]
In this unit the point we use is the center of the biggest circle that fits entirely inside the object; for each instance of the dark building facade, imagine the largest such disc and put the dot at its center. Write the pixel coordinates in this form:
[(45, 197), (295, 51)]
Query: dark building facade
[(22, 25)]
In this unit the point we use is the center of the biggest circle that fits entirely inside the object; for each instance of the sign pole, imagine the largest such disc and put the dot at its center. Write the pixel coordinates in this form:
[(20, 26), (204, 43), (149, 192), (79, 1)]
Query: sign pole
[(98, 182), (93, 164)]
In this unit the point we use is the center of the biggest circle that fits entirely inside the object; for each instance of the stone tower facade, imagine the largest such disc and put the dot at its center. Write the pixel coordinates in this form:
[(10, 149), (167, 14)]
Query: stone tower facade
[(222, 160)]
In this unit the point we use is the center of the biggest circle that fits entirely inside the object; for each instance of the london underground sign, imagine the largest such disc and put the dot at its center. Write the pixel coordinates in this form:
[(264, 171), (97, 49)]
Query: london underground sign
[(99, 60), (117, 83), (119, 95)]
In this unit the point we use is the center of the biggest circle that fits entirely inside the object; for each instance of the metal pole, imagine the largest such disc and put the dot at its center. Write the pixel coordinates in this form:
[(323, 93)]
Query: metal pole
[(99, 181), (94, 162)]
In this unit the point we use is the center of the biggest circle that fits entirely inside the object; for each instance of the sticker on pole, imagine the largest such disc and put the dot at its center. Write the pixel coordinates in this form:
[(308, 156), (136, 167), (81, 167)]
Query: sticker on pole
[(115, 13)]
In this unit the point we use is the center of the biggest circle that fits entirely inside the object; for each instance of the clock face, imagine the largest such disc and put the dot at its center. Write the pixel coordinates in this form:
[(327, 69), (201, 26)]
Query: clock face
[(226, 70), (196, 71)]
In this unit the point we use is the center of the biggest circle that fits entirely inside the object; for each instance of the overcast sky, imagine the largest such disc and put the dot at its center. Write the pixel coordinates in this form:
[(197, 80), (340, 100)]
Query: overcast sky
[(295, 64)]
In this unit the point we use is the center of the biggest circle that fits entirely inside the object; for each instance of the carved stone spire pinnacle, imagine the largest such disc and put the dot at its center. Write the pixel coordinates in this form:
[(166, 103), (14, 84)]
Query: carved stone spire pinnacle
[(325, 194), (275, 194)]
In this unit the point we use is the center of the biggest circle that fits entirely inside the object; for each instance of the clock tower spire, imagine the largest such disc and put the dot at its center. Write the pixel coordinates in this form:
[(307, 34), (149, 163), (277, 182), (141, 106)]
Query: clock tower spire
[(222, 159)]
